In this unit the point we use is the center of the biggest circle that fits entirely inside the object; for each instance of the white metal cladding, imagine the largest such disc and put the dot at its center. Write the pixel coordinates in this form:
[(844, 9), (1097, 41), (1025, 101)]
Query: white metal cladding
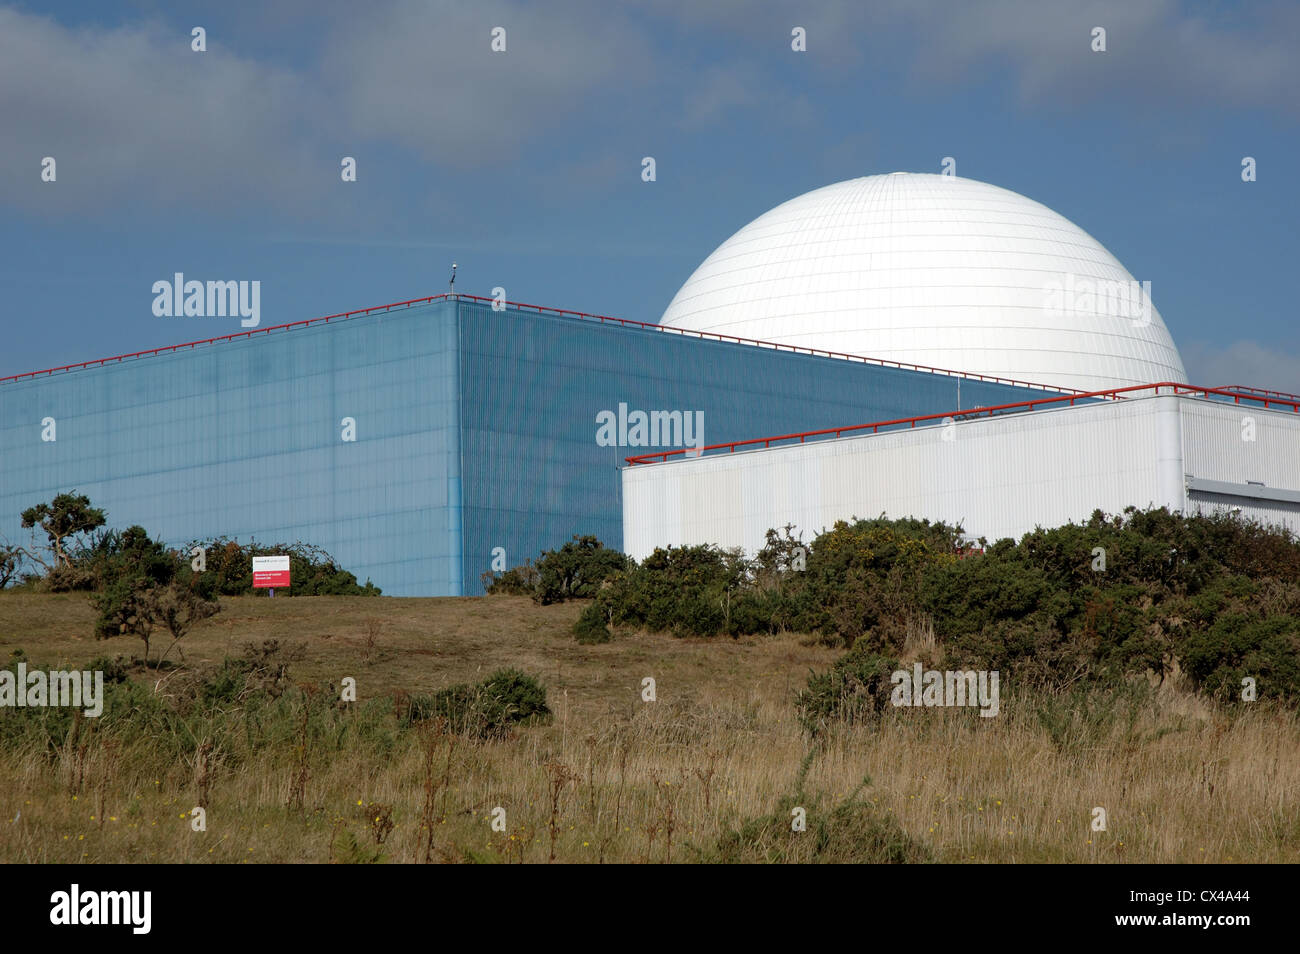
[(997, 477), (932, 270), (1268, 512), (1239, 444)]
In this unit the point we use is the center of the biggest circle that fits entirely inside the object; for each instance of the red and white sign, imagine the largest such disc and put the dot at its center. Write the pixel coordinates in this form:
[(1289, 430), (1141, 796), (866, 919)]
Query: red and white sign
[(270, 571)]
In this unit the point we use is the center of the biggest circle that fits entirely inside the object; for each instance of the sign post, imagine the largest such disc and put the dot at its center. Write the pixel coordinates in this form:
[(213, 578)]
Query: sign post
[(270, 572)]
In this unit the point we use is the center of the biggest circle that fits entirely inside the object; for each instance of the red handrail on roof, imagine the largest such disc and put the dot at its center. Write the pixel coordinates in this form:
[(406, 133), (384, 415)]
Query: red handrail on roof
[(602, 319), (1245, 389), (795, 349), (240, 334), (662, 456)]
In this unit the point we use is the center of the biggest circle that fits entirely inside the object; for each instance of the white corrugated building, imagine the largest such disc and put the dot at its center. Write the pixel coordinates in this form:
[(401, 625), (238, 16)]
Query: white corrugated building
[(998, 476), (947, 272)]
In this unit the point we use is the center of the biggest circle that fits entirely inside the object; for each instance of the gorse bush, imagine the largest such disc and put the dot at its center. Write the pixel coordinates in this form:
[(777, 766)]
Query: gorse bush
[(850, 831), (517, 581), (591, 626), (856, 690), (574, 571), (1091, 603), (688, 591), (486, 710), (864, 579), (83, 554), (229, 570)]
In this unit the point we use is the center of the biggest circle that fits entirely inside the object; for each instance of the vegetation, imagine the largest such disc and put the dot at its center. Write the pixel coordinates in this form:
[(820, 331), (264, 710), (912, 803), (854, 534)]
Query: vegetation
[(811, 827), (576, 570), (82, 554), (140, 587), (228, 570), (1098, 603), (486, 710), (1122, 644), (712, 770), (855, 690), (64, 519)]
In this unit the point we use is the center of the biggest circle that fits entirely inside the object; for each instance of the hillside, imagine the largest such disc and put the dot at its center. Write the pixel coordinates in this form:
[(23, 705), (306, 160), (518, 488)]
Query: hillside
[(708, 771)]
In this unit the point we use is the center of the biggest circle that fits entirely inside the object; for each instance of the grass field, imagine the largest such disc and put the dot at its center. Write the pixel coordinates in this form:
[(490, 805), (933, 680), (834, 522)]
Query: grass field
[(616, 779)]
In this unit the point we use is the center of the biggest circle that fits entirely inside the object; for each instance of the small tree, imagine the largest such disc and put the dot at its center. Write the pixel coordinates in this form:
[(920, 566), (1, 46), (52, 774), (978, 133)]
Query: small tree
[(64, 517), (137, 605), (9, 557), (143, 593), (576, 570)]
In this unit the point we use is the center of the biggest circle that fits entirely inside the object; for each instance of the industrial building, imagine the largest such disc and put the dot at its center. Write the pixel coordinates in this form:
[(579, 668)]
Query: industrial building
[(1008, 370), (998, 473), (935, 268), (421, 443)]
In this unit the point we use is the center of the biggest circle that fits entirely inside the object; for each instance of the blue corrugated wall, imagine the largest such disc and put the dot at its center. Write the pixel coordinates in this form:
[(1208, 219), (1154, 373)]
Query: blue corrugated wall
[(475, 430), (243, 439), (532, 386)]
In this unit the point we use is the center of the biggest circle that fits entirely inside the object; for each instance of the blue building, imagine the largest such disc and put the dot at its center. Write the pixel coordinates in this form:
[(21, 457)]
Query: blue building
[(416, 442)]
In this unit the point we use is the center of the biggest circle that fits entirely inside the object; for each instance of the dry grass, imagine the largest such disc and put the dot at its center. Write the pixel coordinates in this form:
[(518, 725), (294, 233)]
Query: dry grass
[(615, 779)]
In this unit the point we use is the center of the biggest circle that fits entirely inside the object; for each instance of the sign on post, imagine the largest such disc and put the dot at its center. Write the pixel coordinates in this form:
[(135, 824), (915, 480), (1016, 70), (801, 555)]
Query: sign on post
[(270, 572)]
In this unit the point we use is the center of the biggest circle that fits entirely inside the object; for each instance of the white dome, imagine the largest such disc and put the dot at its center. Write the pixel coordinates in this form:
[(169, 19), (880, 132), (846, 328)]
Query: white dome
[(937, 271)]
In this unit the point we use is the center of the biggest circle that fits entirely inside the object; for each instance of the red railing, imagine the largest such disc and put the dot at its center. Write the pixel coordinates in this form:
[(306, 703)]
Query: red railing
[(1264, 391), (582, 315), (875, 426), (794, 349), (241, 334)]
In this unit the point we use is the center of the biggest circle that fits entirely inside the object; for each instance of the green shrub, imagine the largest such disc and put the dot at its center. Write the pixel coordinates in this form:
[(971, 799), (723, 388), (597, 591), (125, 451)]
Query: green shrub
[(486, 710), (1241, 645), (856, 689), (851, 831), (516, 581), (228, 570), (590, 627), (688, 591), (577, 570)]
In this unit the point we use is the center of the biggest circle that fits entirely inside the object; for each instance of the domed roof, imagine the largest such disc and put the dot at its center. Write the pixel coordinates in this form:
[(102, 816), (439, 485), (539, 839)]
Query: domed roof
[(938, 271)]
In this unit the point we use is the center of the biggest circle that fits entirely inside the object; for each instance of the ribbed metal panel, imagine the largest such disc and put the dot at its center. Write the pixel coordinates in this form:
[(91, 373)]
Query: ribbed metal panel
[(1241, 444), (998, 477), (1268, 512), (1238, 445), (476, 429), (533, 385), (243, 439)]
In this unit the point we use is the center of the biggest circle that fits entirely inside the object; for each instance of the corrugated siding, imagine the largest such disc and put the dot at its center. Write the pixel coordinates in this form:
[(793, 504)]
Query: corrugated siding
[(998, 478), (475, 429), (1218, 444), (1268, 512), (1240, 445), (242, 439), (533, 385)]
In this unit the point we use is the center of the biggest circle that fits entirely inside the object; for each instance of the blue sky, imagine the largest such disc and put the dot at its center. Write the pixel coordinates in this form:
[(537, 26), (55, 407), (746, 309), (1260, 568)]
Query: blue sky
[(524, 166)]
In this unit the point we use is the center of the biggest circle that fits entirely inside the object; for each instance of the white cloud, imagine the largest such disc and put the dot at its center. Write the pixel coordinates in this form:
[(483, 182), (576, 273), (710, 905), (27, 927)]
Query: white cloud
[(133, 112), (1243, 362), (133, 115), (134, 118), (424, 75)]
